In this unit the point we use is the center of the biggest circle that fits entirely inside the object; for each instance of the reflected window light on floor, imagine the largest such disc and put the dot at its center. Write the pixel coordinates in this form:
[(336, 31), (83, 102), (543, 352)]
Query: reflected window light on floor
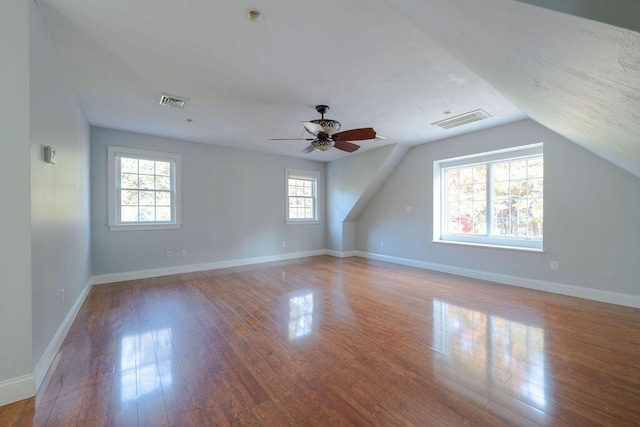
[(300, 315), (510, 354), (142, 362)]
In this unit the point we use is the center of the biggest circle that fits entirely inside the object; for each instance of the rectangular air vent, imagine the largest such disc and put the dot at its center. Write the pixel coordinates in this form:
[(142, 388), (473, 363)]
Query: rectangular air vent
[(172, 101), (462, 119)]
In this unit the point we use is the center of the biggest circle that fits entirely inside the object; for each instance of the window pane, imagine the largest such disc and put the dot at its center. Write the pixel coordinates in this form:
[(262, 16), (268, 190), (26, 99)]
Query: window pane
[(147, 182), (163, 183), (535, 188), (129, 214), (501, 189), (128, 180), (535, 168), (163, 198), (128, 165), (147, 167), (147, 213), (163, 214), (163, 168), (147, 198), (129, 197), (517, 169), (500, 171), (465, 202)]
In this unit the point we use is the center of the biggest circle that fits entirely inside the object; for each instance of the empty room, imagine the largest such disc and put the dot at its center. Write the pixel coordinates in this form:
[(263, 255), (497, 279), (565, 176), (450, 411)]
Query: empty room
[(386, 212)]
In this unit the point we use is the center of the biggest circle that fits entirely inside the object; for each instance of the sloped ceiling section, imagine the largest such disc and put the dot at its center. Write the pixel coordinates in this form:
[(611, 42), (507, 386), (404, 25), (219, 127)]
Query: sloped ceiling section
[(578, 77), (620, 13)]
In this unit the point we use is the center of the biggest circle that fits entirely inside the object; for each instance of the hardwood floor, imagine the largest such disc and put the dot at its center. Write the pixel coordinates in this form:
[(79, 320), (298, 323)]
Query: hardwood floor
[(326, 341)]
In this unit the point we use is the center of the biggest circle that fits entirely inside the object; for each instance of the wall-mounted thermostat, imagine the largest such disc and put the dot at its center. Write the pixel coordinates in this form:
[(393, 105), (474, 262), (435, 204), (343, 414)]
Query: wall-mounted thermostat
[(49, 154)]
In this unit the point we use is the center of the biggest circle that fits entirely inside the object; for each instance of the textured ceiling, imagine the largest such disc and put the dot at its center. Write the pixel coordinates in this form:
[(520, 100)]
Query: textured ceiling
[(395, 65)]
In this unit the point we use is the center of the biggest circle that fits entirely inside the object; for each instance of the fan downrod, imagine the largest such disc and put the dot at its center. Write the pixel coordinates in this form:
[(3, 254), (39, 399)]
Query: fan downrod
[(322, 109)]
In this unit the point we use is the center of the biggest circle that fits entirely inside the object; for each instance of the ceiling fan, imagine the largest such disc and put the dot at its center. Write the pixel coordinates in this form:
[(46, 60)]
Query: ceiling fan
[(326, 135)]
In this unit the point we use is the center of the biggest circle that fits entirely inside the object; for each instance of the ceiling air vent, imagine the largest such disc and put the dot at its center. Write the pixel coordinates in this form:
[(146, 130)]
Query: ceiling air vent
[(462, 119), (172, 101)]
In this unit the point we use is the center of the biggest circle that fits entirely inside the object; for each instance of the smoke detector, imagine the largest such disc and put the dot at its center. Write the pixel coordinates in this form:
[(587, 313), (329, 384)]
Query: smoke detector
[(172, 101), (463, 119)]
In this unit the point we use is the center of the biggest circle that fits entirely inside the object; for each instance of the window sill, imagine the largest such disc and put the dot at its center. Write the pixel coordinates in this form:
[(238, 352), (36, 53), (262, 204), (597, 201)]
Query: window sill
[(486, 245), (303, 221), (138, 227)]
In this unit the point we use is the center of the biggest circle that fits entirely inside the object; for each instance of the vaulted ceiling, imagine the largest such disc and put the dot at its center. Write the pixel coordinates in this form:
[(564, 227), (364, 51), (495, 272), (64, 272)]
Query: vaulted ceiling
[(395, 65)]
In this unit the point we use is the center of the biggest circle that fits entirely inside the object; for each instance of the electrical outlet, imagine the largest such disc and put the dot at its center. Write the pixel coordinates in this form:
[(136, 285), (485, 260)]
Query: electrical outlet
[(408, 209), (169, 254), (381, 244), (62, 296), (284, 243), (554, 265), (184, 252)]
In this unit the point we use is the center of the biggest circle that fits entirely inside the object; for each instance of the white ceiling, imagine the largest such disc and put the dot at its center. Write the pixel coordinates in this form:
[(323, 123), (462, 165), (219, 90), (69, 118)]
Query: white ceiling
[(247, 82)]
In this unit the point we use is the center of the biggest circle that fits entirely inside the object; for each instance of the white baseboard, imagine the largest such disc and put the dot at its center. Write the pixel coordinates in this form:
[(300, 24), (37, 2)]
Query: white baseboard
[(540, 285), (17, 389), (340, 254), (52, 349), (157, 272)]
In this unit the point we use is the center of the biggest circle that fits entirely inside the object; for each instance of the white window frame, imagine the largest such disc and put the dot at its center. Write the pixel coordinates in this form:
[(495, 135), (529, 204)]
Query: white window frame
[(114, 153), (304, 175), (504, 242)]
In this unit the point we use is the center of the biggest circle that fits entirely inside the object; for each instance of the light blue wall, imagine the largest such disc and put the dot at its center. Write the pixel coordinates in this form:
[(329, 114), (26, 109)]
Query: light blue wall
[(60, 239), (232, 207), (15, 228), (45, 239), (591, 214), (347, 179)]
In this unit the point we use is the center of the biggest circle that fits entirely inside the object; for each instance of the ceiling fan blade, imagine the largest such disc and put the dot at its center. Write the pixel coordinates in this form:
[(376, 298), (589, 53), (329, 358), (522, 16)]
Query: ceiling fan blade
[(355, 135), (346, 146), (291, 139), (313, 128), (309, 149)]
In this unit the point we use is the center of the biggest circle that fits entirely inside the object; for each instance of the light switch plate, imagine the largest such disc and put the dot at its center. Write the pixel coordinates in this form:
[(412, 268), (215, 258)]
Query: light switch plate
[(49, 154)]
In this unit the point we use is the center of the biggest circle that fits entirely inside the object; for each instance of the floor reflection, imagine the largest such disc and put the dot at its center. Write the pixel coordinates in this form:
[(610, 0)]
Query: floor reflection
[(141, 362), (502, 352), (300, 315)]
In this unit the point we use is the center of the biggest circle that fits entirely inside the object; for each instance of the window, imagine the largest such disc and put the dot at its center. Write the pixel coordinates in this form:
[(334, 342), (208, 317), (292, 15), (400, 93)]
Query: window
[(302, 201), (144, 189), (492, 199)]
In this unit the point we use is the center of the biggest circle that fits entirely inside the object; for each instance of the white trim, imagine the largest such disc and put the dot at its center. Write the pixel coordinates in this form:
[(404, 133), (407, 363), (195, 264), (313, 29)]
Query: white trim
[(485, 245), (175, 159), (16, 389), (610, 297), (305, 175), (488, 158), (137, 227), (519, 152), (341, 254), (157, 272), (52, 349)]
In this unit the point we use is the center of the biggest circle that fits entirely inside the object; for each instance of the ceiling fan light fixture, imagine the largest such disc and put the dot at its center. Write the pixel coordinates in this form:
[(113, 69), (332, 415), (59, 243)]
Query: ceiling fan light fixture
[(329, 126), (322, 144)]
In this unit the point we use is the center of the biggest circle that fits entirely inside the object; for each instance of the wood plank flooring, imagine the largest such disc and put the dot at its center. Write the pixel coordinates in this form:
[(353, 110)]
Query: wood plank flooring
[(328, 341)]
